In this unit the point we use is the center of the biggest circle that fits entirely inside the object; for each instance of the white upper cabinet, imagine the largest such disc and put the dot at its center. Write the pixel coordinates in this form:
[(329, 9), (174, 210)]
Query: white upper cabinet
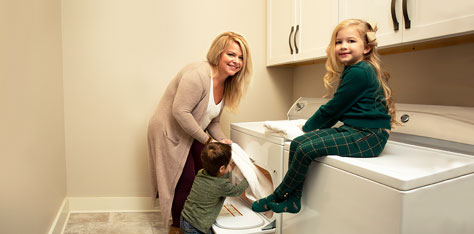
[(316, 21), (376, 11), (437, 18), (299, 30), (281, 21), (416, 19)]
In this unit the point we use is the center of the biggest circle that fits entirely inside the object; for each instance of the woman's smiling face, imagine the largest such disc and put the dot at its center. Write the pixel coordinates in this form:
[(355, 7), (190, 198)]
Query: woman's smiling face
[(231, 60)]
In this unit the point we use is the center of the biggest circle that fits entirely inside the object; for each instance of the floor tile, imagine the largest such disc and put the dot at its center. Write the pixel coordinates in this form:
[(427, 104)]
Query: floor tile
[(115, 223), (87, 228), (88, 217), (130, 228)]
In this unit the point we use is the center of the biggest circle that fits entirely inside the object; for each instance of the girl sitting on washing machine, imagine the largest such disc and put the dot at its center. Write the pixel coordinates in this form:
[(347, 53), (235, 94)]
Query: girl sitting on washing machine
[(362, 102)]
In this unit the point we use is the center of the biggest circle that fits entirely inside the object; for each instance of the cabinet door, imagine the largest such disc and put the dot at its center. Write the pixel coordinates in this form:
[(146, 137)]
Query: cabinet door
[(315, 21), (379, 11), (280, 20), (437, 18)]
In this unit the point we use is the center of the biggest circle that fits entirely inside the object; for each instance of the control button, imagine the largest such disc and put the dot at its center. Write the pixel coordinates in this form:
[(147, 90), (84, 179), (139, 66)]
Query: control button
[(405, 118), (300, 106)]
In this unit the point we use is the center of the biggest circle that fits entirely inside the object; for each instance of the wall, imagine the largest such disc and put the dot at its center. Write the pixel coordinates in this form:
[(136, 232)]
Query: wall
[(118, 59), (440, 76), (32, 155)]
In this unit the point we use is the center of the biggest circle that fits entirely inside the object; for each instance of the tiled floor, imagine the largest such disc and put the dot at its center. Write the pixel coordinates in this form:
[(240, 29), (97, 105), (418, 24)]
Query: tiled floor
[(115, 223)]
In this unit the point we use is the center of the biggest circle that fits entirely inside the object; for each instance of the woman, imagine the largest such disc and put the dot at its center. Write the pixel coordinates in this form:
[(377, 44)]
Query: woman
[(191, 105)]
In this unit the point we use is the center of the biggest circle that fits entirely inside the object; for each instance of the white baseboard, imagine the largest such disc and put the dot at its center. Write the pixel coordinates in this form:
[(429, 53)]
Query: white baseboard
[(60, 221), (99, 204), (111, 204)]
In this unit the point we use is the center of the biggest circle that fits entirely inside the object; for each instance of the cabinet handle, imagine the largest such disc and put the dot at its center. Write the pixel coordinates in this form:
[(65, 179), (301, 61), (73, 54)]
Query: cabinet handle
[(405, 14), (394, 16), (294, 38), (289, 39)]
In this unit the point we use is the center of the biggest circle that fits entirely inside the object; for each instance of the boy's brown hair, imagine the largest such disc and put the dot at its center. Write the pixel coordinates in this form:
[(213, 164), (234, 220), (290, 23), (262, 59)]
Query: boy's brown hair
[(214, 155)]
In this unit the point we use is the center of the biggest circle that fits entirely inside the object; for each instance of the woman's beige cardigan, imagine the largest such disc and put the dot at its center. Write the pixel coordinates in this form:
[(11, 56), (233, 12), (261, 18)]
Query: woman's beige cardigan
[(174, 126)]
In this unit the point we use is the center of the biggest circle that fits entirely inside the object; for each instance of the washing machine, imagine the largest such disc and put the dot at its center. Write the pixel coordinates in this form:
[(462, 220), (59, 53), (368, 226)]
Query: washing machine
[(423, 182)]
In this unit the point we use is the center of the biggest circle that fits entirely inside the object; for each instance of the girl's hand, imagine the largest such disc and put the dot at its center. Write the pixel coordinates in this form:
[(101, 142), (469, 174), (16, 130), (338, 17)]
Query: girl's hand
[(226, 141), (300, 126)]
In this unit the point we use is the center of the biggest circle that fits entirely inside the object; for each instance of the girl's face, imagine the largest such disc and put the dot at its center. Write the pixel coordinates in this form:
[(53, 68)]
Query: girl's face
[(350, 47), (231, 60)]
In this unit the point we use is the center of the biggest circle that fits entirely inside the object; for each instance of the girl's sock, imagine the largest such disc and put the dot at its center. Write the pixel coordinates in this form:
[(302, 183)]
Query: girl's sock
[(262, 204), (290, 205)]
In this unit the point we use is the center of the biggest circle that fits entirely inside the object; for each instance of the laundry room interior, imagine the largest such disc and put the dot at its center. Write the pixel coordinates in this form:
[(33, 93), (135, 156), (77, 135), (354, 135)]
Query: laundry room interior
[(80, 79)]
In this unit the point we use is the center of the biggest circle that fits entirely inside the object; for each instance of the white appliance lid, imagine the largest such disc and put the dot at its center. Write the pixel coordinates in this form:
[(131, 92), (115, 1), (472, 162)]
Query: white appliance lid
[(256, 129), (236, 215), (405, 167)]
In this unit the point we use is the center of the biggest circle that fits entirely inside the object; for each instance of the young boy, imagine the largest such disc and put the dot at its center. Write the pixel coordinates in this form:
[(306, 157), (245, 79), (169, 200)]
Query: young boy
[(209, 190)]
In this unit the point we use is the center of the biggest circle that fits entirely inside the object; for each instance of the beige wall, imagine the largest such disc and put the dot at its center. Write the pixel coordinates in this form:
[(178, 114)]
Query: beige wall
[(441, 76), (118, 59), (32, 157)]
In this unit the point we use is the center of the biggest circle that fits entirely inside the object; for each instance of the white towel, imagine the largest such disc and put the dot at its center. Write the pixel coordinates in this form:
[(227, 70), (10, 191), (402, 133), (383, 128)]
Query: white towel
[(285, 128), (259, 186)]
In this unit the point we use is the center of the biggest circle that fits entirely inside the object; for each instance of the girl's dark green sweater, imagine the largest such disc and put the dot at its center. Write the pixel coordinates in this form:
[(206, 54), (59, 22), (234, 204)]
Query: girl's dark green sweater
[(358, 101)]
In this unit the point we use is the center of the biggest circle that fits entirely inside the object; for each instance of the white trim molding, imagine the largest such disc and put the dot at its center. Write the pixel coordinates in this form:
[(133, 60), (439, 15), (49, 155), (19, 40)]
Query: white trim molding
[(60, 221)]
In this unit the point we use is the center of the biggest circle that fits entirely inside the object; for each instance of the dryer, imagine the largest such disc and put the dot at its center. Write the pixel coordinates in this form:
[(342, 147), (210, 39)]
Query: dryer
[(423, 182)]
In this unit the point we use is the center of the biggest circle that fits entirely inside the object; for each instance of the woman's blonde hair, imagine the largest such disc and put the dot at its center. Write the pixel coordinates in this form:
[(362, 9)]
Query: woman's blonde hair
[(236, 85), (334, 67)]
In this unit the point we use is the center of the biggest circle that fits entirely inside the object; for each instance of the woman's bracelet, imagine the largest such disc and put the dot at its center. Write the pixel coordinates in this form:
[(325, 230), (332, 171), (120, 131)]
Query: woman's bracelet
[(208, 140)]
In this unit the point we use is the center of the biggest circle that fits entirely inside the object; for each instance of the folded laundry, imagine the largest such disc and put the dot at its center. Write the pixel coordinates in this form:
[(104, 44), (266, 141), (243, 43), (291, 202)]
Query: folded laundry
[(288, 129), (259, 185)]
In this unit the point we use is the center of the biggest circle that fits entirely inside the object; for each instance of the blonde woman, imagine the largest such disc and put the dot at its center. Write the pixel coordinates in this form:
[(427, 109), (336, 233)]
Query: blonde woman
[(362, 101), (187, 117)]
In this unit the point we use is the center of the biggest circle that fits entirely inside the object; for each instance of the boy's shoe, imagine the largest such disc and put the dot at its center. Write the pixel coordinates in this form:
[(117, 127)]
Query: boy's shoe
[(175, 230)]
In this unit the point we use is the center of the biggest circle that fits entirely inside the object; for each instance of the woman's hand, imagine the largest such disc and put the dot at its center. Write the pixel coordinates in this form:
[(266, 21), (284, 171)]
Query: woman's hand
[(226, 141)]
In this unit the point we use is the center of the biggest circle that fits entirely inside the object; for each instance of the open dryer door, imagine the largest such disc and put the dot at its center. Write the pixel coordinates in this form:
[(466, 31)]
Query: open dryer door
[(236, 216)]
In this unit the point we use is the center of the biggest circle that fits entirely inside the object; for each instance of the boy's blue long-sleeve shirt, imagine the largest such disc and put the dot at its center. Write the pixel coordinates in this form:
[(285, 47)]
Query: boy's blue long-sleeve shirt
[(358, 102)]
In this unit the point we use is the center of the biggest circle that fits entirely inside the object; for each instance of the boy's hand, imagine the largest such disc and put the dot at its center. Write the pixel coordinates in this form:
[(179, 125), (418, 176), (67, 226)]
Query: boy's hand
[(226, 141)]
